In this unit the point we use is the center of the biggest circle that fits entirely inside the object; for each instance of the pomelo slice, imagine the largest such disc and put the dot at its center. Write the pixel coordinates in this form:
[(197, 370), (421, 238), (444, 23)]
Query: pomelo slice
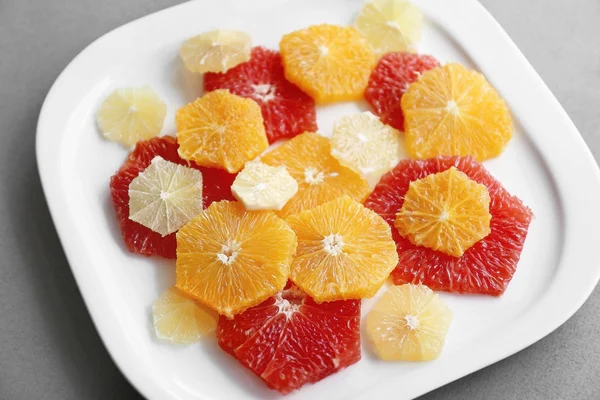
[(216, 51), (262, 187)]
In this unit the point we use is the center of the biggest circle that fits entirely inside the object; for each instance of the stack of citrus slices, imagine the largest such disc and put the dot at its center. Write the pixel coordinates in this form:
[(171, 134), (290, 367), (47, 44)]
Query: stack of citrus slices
[(276, 247)]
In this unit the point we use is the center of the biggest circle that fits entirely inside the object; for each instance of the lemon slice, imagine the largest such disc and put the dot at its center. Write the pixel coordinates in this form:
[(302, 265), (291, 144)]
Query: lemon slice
[(216, 51), (181, 320), (390, 25), (408, 323), (262, 187), (131, 114), (364, 143), (165, 196)]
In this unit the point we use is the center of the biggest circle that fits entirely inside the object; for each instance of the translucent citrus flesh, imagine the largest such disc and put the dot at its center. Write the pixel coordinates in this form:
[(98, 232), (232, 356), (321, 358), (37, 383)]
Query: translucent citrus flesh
[(216, 51), (231, 259), (390, 25), (329, 62), (221, 130), (408, 323), (365, 144), (345, 251), (181, 320), (165, 196), (131, 114), (263, 187), (447, 212), (452, 110), (320, 177)]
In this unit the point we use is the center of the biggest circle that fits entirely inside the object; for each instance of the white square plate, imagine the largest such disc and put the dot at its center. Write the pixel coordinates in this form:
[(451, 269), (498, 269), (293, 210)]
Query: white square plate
[(547, 165)]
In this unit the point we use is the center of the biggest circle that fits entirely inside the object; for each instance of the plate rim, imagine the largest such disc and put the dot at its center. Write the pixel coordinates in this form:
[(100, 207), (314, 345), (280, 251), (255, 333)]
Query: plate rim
[(531, 326)]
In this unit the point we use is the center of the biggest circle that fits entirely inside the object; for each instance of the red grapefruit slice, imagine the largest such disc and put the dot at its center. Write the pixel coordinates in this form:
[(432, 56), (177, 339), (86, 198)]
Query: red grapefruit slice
[(289, 340), (138, 238), (488, 266), (389, 80), (287, 111)]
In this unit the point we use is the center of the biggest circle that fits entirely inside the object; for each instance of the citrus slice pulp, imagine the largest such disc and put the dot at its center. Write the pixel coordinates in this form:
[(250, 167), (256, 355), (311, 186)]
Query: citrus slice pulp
[(216, 51)]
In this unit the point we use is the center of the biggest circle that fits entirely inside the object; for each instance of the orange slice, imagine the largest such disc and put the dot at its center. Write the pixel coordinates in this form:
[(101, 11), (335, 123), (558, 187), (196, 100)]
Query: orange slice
[(345, 251), (329, 62), (321, 178), (221, 130), (408, 323), (180, 319), (231, 259), (452, 110), (447, 212)]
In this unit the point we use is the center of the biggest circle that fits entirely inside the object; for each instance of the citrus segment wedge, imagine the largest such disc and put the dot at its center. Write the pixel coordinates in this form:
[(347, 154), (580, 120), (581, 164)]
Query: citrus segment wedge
[(289, 340), (165, 196), (329, 62), (362, 142), (181, 320), (287, 111), (408, 323), (452, 110), (345, 251), (216, 51), (320, 177), (221, 130), (263, 187), (489, 265), (231, 259), (131, 114)]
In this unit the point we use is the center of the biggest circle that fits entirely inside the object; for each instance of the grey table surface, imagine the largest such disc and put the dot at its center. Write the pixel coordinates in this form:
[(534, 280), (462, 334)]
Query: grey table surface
[(49, 348)]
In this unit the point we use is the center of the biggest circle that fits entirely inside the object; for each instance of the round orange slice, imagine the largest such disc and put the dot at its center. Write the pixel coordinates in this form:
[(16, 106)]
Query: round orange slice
[(320, 177), (231, 259), (447, 212), (454, 111), (221, 130), (345, 251), (329, 62)]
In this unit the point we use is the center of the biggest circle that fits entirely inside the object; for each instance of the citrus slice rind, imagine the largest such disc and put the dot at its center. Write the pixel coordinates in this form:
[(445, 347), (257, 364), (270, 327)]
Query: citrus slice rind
[(179, 319), (221, 130), (329, 62), (447, 212), (263, 187), (131, 114), (362, 142), (452, 110), (165, 196), (345, 251), (231, 259), (390, 25), (216, 51), (320, 177), (408, 323)]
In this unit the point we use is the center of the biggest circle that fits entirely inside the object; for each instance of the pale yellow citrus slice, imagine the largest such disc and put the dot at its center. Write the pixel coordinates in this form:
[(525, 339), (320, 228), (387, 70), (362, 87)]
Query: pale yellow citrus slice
[(447, 212), (180, 319), (365, 144), (131, 114), (408, 323), (165, 196), (390, 25), (216, 51), (263, 187)]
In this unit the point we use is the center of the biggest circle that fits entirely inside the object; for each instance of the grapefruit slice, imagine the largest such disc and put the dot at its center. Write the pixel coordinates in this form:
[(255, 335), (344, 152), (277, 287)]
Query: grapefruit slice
[(138, 238), (390, 79), (231, 259), (408, 323), (262, 187), (287, 111), (489, 265), (216, 51), (289, 340), (131, 114), (179, 319)]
